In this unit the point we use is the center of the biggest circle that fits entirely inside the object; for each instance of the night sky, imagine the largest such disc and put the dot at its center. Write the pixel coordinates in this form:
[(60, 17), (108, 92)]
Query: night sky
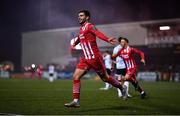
[(17, 16)]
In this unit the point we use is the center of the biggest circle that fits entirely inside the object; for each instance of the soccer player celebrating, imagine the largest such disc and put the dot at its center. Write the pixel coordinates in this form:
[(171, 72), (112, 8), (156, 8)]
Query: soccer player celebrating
[(92, 57), (120, 68), (127, 53)]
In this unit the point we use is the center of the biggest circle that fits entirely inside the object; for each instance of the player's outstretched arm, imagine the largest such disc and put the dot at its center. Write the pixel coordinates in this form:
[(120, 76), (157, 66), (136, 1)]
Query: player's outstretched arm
[(113, 41), (100, 35), (141, 54)]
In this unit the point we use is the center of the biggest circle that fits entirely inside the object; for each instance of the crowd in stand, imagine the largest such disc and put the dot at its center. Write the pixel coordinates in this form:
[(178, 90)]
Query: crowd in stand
[(163, 37)]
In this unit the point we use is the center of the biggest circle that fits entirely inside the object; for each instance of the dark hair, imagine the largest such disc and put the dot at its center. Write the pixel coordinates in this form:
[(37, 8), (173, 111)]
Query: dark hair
[(86, 12), (123, 38)]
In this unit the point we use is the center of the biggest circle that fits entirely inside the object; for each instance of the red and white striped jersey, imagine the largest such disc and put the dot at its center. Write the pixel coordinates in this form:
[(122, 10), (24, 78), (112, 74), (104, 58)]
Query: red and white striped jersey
[(87, 39), (128, 55)]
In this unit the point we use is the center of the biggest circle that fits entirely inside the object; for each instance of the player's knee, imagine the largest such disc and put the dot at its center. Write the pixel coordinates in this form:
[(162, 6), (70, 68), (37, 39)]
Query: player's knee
[(76, 77), (126, 78), (104, 76), (105, 79)]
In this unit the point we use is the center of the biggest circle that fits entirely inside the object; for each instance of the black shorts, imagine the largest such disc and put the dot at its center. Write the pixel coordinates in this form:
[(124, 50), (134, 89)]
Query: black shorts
[(108, 71), (51, 74), (121, 71)]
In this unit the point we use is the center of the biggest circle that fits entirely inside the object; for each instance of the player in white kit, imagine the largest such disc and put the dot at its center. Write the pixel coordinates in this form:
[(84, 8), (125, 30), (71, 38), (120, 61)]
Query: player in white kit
[(120, 69), (51, 70), (108, 64)]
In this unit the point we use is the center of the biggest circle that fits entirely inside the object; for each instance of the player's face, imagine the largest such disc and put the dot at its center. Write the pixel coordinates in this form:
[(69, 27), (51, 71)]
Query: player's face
[(123, 43), (82, 18)]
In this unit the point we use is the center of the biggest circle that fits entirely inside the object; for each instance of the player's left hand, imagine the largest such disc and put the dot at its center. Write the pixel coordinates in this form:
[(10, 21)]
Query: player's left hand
[(113, 41), (143, 61)]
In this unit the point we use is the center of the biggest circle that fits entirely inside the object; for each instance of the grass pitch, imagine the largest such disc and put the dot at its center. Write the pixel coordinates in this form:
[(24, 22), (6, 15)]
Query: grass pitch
[(27, 96)]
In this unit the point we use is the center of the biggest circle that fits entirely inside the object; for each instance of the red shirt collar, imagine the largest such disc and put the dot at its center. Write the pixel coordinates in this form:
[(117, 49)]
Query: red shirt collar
[(84, 23)]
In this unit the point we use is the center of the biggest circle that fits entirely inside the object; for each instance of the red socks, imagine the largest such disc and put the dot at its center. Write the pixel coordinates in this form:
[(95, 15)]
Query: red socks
[(77, 85), (76, 89), (114, 82)]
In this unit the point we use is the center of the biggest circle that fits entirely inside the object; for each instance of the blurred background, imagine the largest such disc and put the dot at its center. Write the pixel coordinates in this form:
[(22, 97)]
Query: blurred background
[(37, 34)]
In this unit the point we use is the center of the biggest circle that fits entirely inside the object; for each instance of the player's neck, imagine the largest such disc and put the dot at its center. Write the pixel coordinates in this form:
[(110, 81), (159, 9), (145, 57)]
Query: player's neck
[(125, 46), (84, 23)]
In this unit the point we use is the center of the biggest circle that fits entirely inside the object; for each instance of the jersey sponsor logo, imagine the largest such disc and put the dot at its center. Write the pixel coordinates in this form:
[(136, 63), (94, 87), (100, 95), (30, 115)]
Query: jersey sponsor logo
[(85, 27), (81, 36), (125, 56)]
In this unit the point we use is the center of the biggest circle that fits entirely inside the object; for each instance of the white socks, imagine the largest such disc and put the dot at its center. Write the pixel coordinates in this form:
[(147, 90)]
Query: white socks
[(76, 100), (119, 93), (126, 83), (142, 92), (107, 85)]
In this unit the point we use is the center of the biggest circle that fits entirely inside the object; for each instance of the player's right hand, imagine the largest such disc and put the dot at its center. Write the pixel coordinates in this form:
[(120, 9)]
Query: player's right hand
[(143, 61), (113, 41)]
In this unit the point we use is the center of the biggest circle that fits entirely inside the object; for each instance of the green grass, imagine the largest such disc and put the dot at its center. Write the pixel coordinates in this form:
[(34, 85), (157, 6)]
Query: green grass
[(26, 96)]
